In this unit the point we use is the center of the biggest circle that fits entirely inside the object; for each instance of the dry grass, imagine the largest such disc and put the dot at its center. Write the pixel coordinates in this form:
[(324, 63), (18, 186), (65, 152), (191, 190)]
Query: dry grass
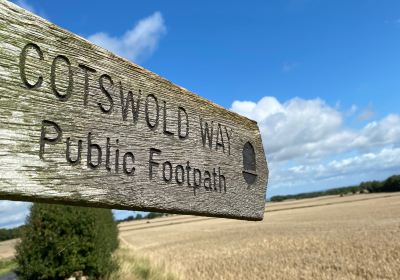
[(355, 237), (7, 250), (7, 266), (133, 267)]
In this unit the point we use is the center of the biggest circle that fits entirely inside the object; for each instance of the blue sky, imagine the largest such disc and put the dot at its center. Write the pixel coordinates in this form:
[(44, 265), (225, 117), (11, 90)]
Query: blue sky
[(320, 77)]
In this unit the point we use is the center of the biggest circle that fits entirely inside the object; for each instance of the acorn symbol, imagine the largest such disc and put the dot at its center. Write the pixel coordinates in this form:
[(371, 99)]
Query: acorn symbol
[(249, 164)]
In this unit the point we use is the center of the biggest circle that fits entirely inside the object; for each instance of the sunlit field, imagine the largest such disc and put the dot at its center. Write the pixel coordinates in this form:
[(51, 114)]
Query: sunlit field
[(7, 249), (351, 237)]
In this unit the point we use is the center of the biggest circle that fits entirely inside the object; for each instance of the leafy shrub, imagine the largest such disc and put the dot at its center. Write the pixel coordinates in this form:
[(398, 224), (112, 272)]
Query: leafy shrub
[(60, 240)]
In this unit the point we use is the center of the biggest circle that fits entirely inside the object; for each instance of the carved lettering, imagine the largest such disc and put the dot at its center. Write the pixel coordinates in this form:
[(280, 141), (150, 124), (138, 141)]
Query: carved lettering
[(152, 162), (125, 163), (90, 148), (152, 124), (22, 64), (117, 157), (214, 135), (229, 137), (206, 133), (45, 139), (86, 70), (61, 97), (221, 135), (108, 154), (207, 180), (183, 133), (108, 133), (192, 177), (169, 178), (68, 152), (129, 100), (106, 93), (165, 130), (179, 170), (220, 139), (188, 168)]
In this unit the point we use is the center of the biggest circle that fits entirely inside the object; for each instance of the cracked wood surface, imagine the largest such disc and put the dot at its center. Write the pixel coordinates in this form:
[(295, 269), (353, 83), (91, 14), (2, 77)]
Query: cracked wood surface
[(80, 125)]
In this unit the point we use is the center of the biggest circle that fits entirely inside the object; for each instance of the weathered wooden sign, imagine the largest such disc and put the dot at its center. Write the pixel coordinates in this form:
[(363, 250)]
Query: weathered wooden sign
[(79, 125)]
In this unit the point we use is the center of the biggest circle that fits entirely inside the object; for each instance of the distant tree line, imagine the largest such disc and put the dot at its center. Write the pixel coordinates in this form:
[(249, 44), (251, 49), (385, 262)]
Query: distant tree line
[(139, 216), (391, 184), (12, 233)]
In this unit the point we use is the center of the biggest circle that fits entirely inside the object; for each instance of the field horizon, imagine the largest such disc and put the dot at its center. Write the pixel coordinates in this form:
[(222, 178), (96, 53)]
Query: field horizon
[(331, 237)]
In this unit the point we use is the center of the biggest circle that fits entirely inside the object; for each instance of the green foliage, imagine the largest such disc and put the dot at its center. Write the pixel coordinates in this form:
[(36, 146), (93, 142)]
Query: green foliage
[(7, 266), (12, 233), (139, 267), (131, 218), (139, 216), (391, 184), (153, 215), (59, 240)]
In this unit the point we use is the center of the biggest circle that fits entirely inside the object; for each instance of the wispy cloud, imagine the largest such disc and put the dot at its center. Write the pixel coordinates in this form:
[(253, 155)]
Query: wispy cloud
[(302, 128), (13, 213), (309, 141), (353, 109), (366, 114), (137, 43)]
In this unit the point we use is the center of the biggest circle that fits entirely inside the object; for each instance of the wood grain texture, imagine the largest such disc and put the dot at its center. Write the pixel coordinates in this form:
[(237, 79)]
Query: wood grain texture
[(80, 125)]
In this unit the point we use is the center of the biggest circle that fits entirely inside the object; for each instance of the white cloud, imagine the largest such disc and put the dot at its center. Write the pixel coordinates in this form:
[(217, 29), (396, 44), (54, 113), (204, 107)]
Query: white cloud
[(138, 42), (296, 128), (383, 160), (307, 141), (13, 213), (310, 128), (366, 114), (335, 173), (386, 158)]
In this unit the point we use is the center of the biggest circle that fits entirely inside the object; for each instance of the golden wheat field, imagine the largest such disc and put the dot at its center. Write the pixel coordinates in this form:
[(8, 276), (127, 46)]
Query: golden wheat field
[(351, 237), (7, 249)]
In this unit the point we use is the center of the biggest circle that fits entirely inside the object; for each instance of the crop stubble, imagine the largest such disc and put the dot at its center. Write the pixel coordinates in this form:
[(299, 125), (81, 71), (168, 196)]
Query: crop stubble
[(353, 237)]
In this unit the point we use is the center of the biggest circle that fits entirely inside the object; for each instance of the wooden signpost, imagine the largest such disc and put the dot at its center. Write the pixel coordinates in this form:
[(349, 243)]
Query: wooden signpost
[(80, 125)]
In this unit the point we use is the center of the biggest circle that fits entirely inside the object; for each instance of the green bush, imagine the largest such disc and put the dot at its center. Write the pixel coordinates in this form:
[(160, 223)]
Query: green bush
[(60, 240)]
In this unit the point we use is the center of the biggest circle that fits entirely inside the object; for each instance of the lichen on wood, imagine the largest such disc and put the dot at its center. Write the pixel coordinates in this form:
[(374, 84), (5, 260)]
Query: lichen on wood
[(80, 125)]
